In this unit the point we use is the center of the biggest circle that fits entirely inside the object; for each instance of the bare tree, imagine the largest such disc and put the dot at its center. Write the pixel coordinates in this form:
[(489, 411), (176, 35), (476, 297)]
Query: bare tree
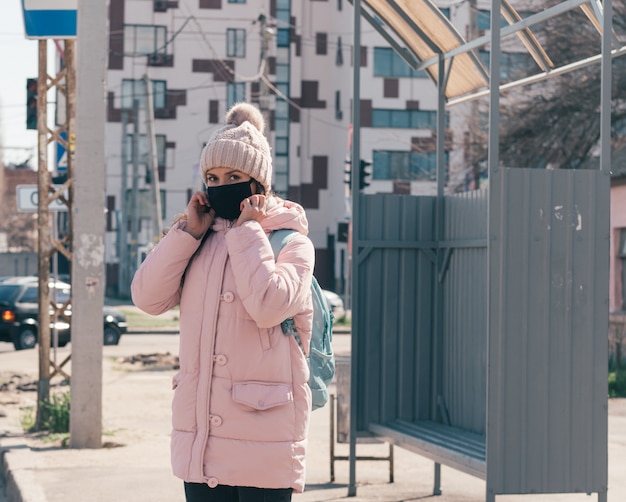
[(556, 123)]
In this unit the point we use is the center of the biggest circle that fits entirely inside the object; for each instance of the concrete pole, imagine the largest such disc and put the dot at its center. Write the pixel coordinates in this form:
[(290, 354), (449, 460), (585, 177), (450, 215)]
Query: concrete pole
[(43, 233), (88, 246)]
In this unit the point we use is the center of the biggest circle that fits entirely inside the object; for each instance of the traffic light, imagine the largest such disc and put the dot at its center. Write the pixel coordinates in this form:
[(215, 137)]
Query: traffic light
[(31, 103), (364, 173), (348, 171)]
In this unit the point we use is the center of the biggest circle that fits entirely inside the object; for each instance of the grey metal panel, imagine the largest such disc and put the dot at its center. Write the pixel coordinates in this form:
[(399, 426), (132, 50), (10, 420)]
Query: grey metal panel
[(464, 278), (548, 322), (395, 352), (393, 355)]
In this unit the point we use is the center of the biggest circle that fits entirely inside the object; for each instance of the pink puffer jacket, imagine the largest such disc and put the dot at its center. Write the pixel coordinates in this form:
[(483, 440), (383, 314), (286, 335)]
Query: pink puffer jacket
[(241, 406)]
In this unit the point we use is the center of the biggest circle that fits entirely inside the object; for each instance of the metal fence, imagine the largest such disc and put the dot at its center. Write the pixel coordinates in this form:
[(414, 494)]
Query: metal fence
[(481, 330)]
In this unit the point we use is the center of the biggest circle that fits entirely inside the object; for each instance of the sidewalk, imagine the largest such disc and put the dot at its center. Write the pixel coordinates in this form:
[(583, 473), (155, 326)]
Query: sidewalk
[(134, 464)]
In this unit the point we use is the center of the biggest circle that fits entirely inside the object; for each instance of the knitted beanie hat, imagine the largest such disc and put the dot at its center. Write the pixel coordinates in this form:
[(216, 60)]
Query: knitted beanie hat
[(240, 145)]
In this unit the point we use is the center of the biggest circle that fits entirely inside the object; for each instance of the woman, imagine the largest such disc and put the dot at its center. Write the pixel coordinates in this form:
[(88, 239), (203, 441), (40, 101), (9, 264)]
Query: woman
[(241, 405)]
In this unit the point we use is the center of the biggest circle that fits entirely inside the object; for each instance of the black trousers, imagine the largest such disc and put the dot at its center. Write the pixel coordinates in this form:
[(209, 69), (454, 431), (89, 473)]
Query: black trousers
[(200, 492)]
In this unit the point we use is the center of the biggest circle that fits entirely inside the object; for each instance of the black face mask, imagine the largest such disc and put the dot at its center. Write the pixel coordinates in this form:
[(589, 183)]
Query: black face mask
[(226, 199)]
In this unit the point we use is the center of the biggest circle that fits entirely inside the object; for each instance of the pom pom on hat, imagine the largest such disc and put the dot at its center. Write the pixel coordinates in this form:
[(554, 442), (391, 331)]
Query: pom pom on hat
[(241, 145)]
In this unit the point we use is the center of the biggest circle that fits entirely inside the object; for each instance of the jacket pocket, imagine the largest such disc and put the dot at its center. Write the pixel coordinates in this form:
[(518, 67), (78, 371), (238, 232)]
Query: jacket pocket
[(262, 395), (184, 402)]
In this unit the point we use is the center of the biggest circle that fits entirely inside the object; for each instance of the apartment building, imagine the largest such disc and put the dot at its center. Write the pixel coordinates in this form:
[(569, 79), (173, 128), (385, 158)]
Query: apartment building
[(294, 60)]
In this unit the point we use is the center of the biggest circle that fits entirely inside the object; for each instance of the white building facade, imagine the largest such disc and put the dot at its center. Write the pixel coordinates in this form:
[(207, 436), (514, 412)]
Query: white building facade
[(294, 60)]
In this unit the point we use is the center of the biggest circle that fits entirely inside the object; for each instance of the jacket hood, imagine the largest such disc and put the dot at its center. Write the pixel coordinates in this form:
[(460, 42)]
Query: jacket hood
[(281, 214)]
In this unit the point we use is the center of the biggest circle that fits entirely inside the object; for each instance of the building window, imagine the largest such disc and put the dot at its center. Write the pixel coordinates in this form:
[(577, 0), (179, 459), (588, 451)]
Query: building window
[(214, 109), (282, 38), (144, 39), (321, 43), (391, 88), (339, 56), (281, 127), (136, 89), (236, 1), (283, 23), (622, 256), (387, 63), (236, 43), (282, 72), (235, 92), (512, 64), (483, 20), (281, 146), (404, 119), (338, 112), (142, 148), (405, 166)]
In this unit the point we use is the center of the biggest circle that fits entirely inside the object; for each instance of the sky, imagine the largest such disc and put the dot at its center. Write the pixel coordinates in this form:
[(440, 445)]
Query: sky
[(18, 61)]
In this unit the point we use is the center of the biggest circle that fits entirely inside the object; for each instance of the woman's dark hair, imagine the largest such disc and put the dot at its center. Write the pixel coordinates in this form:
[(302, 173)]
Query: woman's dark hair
[(260, 189)]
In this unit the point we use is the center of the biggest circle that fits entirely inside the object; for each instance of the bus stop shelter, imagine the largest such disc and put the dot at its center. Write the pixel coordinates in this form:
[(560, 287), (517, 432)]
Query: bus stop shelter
[(480, 319)]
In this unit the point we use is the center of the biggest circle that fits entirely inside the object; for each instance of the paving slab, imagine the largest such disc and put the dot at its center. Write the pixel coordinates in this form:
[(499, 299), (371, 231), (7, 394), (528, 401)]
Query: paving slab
[(134, 462)]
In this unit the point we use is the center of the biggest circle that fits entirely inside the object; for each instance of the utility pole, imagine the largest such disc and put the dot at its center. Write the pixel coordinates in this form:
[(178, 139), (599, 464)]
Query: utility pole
[(264, 97), (88, 243), (43, 233), (134, 205), (48, 245), (123, 279), (38, 26), (153, 162)]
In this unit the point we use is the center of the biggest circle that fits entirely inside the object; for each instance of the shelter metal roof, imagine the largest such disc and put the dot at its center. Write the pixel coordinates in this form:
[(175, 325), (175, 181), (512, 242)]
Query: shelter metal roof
[(427, 34), (423, 36)]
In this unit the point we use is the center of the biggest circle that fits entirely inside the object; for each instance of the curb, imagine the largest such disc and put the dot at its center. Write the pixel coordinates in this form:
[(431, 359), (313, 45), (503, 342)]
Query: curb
[(152, 331), (16, 464), (172, 331)]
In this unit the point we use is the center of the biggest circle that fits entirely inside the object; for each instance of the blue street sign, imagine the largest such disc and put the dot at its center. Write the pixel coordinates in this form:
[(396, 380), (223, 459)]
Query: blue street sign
[(50, 18), (61, 155)]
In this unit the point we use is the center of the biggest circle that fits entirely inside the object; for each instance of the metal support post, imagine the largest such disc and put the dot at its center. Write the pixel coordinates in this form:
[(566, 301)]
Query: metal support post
[(49, 244)]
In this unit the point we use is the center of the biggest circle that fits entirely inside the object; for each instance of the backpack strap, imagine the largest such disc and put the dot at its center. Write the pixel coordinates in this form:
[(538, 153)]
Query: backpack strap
[(278, 240)]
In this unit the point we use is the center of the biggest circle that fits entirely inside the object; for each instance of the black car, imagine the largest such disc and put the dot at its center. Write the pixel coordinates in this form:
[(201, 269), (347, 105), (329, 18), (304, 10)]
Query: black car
[(19, 313)]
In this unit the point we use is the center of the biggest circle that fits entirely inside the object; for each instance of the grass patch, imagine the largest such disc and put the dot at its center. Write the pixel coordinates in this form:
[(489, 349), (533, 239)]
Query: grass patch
[(137, 319), (343, 321), (28, 418), (55, 415), (617, 383)]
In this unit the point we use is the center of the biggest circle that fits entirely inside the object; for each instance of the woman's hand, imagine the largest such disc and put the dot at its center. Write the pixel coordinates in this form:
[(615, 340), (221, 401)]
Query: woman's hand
[(200, 216), (252, 208)]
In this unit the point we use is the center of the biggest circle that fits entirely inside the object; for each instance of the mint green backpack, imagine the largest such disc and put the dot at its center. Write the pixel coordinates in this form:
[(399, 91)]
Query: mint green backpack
[(321, 357)]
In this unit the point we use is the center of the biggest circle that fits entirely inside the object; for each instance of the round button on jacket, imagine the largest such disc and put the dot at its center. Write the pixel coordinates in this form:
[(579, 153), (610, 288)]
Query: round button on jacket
[(221, 359), (228, 297), (212, 482), (216, 421)]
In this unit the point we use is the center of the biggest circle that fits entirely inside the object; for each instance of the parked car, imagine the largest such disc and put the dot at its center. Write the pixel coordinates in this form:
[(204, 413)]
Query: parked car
[(19, 313), (335, 303)]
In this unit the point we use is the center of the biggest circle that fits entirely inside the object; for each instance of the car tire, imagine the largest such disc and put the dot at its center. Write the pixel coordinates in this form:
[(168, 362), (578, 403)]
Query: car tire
[(26, 338), (111, 335)]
